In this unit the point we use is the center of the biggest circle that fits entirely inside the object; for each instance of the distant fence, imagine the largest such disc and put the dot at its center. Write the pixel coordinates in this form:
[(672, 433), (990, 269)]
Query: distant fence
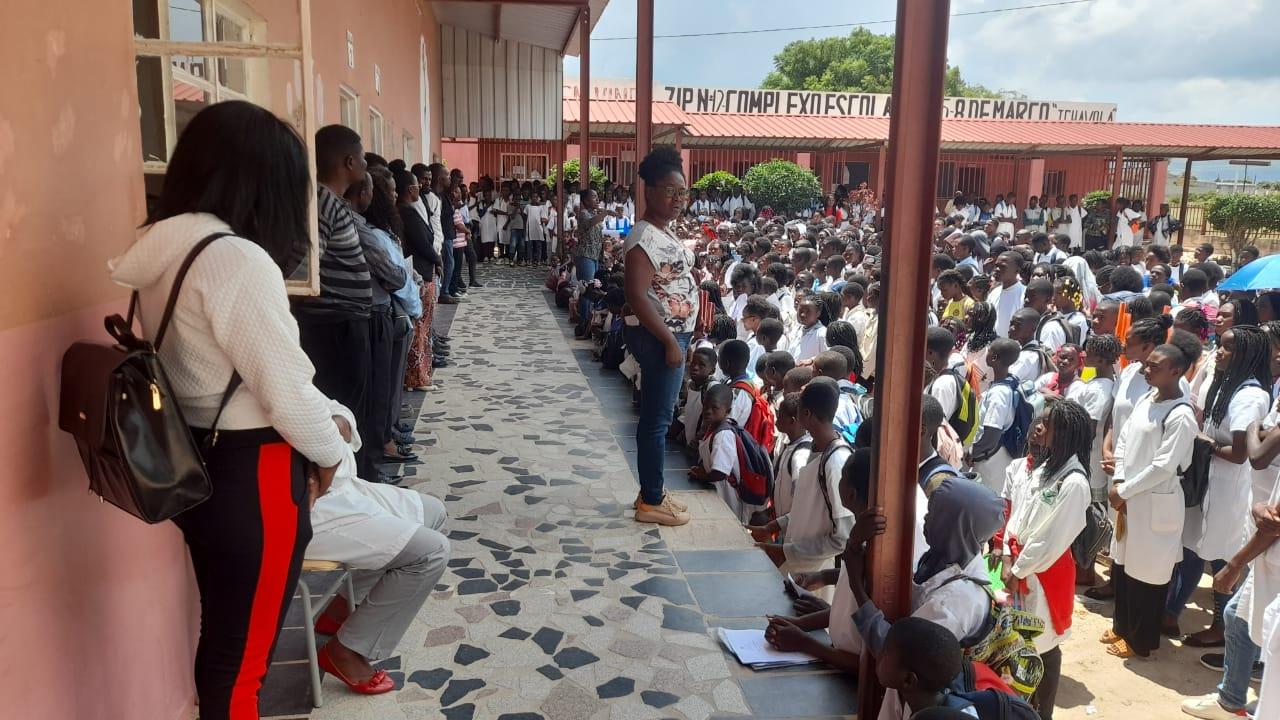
[(1197, 226)]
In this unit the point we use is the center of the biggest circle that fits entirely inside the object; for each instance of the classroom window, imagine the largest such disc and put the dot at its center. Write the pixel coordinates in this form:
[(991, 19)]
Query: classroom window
[(524, 166), (1055, 182), (972, 179), (407, 147), (607, 163), (348, 108), (374, 139)]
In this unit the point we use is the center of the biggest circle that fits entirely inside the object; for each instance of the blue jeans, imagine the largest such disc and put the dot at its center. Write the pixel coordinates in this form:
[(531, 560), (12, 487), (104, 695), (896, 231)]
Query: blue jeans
[(1186, 576), (518, 245), (659, 388), (586, 268), (446, 259), (1241, 654)]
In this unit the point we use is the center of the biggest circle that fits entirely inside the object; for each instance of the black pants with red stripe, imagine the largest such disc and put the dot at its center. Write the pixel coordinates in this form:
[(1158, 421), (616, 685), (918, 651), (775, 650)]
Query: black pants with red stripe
[(246, 544)]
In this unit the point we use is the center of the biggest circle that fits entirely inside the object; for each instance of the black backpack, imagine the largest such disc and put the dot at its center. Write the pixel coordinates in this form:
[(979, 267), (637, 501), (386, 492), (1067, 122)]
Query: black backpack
[(134, 442)]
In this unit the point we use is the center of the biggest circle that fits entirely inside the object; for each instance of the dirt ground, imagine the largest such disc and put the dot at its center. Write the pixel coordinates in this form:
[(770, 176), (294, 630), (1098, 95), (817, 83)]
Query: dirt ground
[(1098, 686)]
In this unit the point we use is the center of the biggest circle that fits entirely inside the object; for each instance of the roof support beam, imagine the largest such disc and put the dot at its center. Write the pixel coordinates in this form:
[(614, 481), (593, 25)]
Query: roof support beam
[(915, 131), (584, 97), (497, 21), (644, 92), (1186, 191)]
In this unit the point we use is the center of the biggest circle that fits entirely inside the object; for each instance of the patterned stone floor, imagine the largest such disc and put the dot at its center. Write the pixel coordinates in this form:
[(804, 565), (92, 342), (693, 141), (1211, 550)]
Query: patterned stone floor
[(556, 604)]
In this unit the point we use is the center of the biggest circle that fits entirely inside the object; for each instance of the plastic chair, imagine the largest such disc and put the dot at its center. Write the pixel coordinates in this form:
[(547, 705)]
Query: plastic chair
[(311, 612)]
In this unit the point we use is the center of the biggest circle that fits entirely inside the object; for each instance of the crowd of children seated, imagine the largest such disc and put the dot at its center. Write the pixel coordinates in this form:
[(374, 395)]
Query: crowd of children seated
[(1079, 406)]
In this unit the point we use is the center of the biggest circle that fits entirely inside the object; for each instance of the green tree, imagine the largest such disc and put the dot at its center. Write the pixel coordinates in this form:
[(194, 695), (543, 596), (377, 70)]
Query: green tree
[(720, 181), (862, 61), (1243, 217), (571, 173), (782, 185)]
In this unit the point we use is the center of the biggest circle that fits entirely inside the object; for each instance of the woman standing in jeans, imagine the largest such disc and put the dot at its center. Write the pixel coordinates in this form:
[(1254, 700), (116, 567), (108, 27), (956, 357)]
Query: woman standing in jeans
[(588, 250), (663, 296)]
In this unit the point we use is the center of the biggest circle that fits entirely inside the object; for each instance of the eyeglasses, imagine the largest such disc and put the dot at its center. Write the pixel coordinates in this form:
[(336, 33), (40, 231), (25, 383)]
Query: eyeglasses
[(673, 192)]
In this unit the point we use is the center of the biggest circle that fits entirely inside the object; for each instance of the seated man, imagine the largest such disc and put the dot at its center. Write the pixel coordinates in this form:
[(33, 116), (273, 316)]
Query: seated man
[(393, 539)]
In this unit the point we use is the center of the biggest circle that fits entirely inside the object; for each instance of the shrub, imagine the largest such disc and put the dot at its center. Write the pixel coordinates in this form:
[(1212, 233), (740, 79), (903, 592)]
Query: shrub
[(571, 174), (1092, 197), (726, 183), (782, 185), (1243, 217)]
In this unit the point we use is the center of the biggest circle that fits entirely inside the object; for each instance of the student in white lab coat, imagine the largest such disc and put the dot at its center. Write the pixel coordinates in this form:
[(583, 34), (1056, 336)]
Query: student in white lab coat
[(794, 455), (812, 336), (1047, 503), (1238, 396), (393, 539), (1155, 442)]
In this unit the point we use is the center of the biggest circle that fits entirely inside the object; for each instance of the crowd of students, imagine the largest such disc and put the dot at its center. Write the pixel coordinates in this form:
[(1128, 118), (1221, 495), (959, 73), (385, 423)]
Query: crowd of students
[(1079, 405)]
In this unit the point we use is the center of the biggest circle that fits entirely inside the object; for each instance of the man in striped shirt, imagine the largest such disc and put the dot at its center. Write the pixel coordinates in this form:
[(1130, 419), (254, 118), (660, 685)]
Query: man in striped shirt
[(334, 325)]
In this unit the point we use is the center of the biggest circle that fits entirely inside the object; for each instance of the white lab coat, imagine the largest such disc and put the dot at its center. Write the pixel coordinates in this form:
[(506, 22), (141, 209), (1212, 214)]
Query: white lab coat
[(1269, 693), (1217, 529), (1154, 443), (362, 524), (1045, 515)]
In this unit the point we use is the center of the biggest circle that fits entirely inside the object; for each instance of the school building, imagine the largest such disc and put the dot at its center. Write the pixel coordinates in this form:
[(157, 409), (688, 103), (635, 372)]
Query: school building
[(989, 146)]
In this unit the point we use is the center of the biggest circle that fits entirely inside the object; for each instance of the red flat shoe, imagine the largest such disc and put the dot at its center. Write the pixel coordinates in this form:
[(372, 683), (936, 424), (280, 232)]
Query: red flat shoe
[(380, 683), (326, 625)]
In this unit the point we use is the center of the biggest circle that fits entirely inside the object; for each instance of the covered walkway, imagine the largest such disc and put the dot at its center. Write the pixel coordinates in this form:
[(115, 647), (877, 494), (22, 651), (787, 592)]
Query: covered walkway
[(556, 604)]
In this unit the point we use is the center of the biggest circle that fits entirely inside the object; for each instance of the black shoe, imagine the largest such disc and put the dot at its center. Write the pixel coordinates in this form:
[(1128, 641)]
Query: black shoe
[(458, 299), (387, 479), (449, 300), (439, 362), (404, 427), (475, 284)]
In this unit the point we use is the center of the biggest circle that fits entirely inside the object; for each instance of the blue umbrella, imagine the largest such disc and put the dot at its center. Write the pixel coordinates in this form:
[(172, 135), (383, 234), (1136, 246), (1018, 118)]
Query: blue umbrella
[(1261, 274)]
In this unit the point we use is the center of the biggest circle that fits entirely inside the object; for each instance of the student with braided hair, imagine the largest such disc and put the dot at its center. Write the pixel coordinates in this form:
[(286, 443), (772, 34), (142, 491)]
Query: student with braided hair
[(981, 324), (1239, 396), (1047, 502)]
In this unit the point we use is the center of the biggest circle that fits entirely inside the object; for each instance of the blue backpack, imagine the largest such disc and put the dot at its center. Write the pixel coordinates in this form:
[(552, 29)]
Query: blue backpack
[(756, 484), (1014, 439), (850, 431), (980, 687)]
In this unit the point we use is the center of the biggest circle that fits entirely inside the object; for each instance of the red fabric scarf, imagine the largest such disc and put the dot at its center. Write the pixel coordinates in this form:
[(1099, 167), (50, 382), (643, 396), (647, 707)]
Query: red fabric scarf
[(1059, 583)]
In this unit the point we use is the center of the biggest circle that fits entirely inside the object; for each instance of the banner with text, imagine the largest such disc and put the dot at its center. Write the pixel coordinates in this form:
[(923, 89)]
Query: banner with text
[(806, 102)]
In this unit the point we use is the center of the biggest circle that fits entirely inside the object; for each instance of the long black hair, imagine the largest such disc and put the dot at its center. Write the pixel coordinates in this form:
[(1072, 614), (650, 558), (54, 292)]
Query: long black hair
[(382, 212), (248, 167), (1246, 311), (841, 333), (712, 289), (983, 331), (1072, 436), (830, 305), (1251, 359)]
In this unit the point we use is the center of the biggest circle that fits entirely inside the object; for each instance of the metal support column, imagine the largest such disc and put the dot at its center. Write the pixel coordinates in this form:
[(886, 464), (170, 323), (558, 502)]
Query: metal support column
[(644, 91), (920, 61), (584, 96), (1186, 193), (1117, 178)]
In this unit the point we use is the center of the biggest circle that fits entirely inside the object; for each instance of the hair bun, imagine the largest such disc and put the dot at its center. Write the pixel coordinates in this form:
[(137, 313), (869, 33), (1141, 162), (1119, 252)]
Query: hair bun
[(1164, 320)]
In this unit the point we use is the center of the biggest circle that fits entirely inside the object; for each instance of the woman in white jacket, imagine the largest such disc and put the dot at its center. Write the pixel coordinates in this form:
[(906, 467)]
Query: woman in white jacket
[(239, 172), (1048, 497), (1155, 442)]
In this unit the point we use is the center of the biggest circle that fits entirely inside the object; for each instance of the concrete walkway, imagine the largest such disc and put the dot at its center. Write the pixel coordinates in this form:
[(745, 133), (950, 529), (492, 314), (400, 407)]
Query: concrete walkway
[(556, 604)]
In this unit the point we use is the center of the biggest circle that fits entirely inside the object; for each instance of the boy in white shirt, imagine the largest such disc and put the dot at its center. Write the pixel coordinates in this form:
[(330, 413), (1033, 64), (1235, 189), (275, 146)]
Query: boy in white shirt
[(794, 456), (718, 452), (702, 365), (1125, 215), (734, 356), (996, 414), (818, 524), (1034, 359)]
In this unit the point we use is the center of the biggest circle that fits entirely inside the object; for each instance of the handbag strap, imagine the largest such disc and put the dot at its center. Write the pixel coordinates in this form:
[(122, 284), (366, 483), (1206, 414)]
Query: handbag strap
[(177, 286), (232, 385)]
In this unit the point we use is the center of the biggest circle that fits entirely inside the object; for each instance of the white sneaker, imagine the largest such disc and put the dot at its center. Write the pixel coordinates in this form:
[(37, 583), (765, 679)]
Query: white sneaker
[(1207, 707), (664, 513)]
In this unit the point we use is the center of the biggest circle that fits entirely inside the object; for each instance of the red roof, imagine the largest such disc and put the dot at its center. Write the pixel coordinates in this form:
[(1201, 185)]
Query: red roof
[(1146, 139), (621, 112)]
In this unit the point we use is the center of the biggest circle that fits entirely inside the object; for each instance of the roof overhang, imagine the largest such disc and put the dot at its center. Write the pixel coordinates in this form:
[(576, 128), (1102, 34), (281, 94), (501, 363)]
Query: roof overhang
[(543, 23)]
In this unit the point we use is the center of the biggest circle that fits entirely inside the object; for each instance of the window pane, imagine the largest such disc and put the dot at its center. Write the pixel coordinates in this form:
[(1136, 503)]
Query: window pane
[(146, 19), (151, 108), (186, 21), (189, 98), (231, 71)]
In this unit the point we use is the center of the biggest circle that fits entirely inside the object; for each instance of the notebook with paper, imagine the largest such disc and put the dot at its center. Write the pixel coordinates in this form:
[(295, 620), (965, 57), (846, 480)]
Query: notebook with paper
[(752, 650)]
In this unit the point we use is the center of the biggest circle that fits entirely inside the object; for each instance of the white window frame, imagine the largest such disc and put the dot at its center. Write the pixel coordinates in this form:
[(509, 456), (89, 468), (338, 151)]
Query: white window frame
[(523, 161), (347, 95), (377, 126), (407, 148), (256, 54)]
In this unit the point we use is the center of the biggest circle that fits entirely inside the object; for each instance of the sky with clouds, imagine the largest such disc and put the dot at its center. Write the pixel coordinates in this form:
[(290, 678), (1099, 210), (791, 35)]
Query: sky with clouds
[(1188, 61)]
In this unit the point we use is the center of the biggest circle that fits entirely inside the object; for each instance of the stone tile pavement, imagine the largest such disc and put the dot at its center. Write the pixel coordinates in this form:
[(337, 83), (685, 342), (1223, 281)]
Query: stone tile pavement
[(556, 604)]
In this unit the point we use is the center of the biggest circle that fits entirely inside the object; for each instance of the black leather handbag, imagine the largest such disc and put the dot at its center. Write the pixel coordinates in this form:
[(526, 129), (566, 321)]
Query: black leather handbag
[(134, 442)]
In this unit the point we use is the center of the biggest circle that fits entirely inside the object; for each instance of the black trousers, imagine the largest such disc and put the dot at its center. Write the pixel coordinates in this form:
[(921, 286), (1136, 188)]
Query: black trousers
[(373, 425), (1047, 692), (470, 251), (341, 352), (1139, 611), (246, 544)]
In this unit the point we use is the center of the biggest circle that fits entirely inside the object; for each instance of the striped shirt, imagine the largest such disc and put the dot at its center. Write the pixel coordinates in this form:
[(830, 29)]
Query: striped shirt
[(345, 288)]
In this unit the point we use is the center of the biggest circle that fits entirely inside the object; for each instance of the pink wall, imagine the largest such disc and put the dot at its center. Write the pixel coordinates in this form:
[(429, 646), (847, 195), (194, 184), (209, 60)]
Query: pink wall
[(463, 155), (99, 611)]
